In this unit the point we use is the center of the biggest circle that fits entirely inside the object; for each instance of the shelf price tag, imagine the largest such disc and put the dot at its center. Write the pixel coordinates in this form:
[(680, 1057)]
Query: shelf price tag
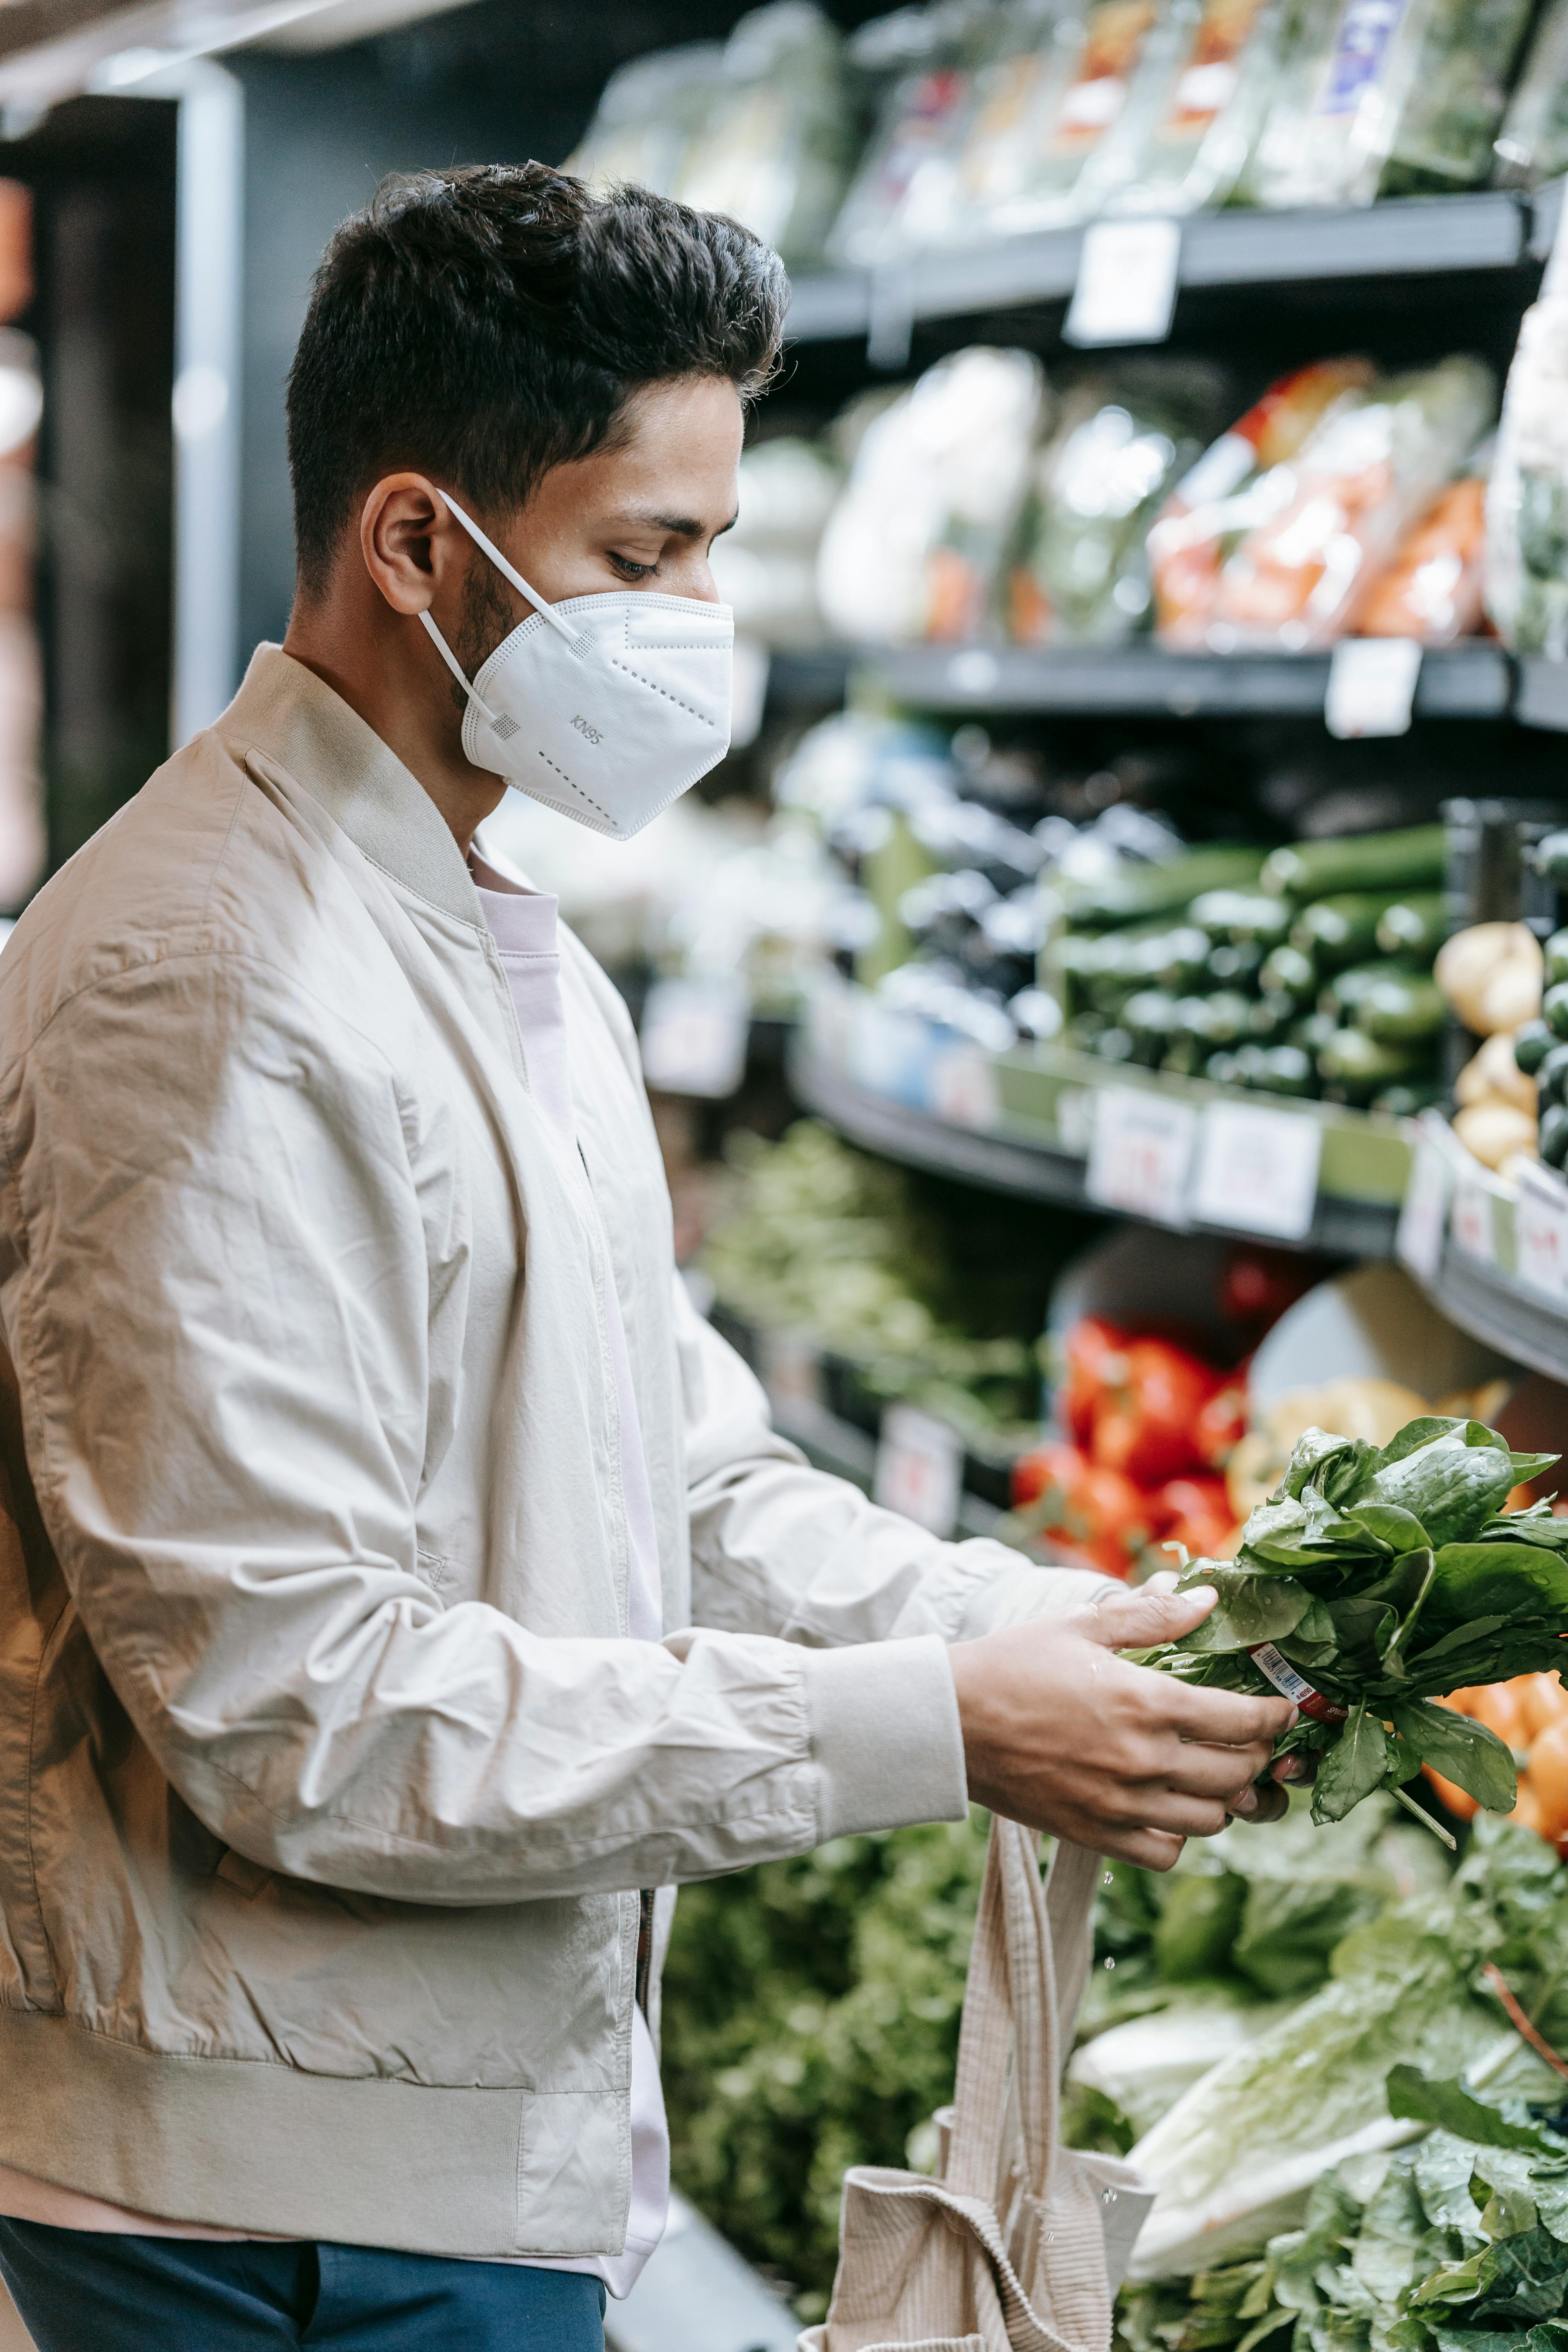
[(963, 1088), (919, 1469), (1372, 687), (694, 1034), (1470, 1220), (1126, 289), (1140, 1154), (1257, 1169), (1541, 1233), (1424, 1212)]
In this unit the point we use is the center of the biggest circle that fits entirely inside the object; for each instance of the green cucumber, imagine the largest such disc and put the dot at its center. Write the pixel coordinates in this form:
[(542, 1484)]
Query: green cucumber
[(1359, 1065), (1289, 972), (1555, 953), (1400, 1009), (1151, 1015), (1270, 1017), (1399, 862), (1133, 892), (1532, 1044), (1345, 991), (1313, 1031), (1287, 1070), (1408, 1097), (1234, 964), (1554, 1009), (1241, 917), (1183, 957), (1551, 1075), (1340, 930), (1549, 857), (1415, 926), (1551, 1139)]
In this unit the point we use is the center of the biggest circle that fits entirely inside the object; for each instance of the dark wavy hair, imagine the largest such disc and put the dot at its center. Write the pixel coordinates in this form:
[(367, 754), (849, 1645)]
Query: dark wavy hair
[(486, 324)]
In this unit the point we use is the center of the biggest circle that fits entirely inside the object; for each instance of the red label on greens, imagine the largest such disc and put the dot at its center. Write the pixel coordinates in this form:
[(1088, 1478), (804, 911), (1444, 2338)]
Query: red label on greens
[(1294, 1686)]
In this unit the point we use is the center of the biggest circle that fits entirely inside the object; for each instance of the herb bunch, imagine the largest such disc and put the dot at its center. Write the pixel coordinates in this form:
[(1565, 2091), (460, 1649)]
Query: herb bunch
[(1374, 1581)]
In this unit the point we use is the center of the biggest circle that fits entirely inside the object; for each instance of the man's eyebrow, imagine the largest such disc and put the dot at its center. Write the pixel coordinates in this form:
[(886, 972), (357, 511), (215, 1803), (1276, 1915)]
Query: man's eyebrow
[(683, 526)]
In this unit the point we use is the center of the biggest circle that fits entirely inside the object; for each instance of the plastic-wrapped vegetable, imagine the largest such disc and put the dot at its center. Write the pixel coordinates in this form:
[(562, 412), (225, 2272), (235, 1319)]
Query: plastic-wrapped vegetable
[(774, 149), (919, 123), (1182, 141), (1047, 109), (647, 115), (1533, 144), (1388, 96), (1082, 572), (1298, 579), (1431, 590), (915, 544), (1230, 490), (1526, 499)]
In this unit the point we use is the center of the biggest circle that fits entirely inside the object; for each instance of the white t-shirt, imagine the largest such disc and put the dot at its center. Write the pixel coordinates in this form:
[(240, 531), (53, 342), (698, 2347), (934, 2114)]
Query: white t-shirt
[(523, 926)]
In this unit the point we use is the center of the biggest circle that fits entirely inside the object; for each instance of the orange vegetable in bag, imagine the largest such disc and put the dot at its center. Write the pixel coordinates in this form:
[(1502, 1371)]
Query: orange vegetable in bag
[(1542, 1701), (1548, 1777), (1497, 1705), (1431, 590)]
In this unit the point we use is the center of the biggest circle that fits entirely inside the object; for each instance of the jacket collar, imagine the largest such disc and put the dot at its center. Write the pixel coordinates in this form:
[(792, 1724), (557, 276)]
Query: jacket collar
[(285, 710)]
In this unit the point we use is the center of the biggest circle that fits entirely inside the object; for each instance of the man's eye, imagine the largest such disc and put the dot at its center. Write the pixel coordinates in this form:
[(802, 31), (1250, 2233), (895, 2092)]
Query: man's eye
[(630, 571)]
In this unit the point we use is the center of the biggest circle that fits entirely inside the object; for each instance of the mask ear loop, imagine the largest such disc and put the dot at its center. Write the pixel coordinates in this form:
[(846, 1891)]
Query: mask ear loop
[(456, 667), (578, 641)]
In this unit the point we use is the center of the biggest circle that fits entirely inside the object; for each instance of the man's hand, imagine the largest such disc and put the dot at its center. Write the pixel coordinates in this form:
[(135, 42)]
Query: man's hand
[(1063, 1735)]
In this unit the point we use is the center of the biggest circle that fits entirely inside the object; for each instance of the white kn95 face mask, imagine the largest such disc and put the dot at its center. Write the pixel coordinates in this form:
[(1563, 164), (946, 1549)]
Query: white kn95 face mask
[(606, 707)]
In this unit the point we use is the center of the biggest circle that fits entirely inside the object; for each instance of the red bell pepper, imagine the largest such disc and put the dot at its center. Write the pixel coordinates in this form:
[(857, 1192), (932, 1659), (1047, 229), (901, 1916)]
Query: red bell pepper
[(1148, 1429)]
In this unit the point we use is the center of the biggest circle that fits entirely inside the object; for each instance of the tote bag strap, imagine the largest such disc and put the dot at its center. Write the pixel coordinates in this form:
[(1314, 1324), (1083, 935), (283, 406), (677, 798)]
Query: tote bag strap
[(1013, 2037)]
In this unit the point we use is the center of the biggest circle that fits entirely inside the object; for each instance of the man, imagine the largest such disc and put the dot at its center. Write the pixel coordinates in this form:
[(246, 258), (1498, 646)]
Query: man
[(364, 1460)]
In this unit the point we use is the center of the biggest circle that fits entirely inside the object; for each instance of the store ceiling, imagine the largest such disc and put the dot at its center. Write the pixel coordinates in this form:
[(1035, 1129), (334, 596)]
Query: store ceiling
[(53, 49)]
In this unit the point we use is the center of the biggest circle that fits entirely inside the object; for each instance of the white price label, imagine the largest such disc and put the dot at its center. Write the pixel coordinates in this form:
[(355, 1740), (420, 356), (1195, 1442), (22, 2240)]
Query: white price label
[(1140, 1153), (790, 1369), (1372, 687), (1541, 1233), (1257, 1169), (1126, 289), (694, 1037), (919, 1469), (963, 1088), (1470, 1220), (1424, 1212)]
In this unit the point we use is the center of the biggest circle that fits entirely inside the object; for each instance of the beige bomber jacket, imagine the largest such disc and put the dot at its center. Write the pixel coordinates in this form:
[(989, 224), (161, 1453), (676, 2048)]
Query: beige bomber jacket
[(326, 1770)]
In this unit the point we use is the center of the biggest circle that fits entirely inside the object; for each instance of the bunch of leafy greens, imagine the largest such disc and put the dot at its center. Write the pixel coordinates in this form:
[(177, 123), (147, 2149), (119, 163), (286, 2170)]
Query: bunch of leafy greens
[(1386, 1577), (1457, 2244), (1236, 2157)]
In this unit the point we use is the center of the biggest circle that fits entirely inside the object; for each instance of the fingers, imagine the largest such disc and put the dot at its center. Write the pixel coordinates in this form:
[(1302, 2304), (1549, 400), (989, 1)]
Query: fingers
[(1205, 1771), (1296, 1771), (1223, 1718), (1149, 1849), (1138, 1619), (1262, 1800)]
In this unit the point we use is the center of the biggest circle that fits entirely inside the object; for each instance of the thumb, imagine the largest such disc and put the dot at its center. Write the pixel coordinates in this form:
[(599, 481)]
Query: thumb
[(1139, 1618)]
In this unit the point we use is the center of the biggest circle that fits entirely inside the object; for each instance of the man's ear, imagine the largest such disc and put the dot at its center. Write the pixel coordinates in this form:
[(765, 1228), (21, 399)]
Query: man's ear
[(413, 548)]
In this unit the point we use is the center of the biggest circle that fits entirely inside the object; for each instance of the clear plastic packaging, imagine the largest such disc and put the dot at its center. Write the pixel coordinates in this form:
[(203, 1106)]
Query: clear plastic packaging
[(1433, 589), (907, 168), (1183, 142), (1230, 491), (915, 544), (1533, 144), (1081, 574), (1527, 499), (1379, 457), (773, 149), (1047, 106), (1388, 98), (647, 114)]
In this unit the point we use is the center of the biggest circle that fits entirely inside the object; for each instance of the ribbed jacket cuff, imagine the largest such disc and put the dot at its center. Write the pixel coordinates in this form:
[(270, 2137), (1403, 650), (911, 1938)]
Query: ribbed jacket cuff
[(885, 1736)]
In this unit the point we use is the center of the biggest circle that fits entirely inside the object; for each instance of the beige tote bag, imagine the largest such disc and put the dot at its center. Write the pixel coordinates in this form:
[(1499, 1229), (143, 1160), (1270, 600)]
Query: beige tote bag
[(1018, 2244)]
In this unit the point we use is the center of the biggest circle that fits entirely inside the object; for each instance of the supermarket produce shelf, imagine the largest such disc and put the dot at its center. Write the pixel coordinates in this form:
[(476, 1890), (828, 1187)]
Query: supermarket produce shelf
[(1035, 1170), (838, 1445), (1455, 682), (1493, 1305), (1409, 237)]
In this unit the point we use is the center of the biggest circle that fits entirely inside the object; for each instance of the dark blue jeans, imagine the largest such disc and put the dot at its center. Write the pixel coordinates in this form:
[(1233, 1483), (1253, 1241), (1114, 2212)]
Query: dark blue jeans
[(80, 2292)]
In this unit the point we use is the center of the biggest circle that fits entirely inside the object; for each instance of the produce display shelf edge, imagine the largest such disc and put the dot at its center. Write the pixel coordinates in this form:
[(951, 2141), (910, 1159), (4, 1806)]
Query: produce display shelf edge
[(1030, 1171), (1493, 1307), (836, 1445), (1493, 229)]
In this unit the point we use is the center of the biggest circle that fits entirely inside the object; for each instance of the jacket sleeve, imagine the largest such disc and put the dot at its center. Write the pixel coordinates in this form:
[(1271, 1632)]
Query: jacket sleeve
[(780, 1548), (214, 1282)]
